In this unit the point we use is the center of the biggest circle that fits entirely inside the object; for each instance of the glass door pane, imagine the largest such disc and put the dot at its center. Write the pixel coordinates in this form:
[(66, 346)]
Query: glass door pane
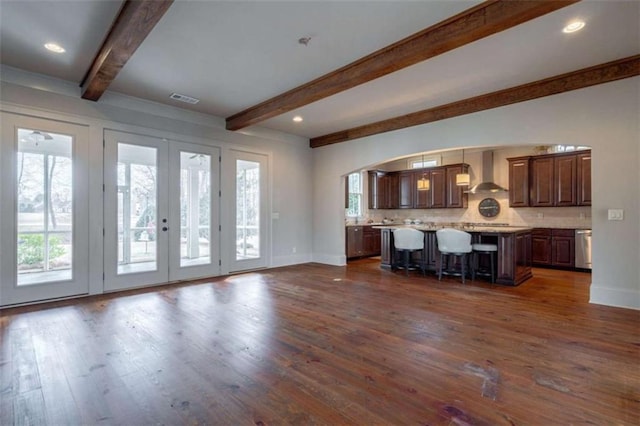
[(247, 209), (44, 177), (195, 206), (137, 208)]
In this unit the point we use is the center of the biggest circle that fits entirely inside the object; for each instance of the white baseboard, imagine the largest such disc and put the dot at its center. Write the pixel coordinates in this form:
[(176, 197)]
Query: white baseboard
[(615, 297), (330, 259), (294, 259)]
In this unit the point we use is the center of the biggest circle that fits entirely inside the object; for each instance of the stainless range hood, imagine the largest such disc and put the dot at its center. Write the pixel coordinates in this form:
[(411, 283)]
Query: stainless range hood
[(486, 185)]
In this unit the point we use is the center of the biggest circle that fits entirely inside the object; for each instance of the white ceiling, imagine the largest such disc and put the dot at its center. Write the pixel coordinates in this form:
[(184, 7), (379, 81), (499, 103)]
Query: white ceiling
[(232, 55)]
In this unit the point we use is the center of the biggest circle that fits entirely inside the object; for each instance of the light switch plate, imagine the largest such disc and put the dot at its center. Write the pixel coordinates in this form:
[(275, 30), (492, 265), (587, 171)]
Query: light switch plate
[(615, 214)]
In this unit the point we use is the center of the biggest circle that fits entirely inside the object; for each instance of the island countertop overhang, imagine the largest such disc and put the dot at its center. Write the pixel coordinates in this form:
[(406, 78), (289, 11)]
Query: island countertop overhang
[(471, 229)]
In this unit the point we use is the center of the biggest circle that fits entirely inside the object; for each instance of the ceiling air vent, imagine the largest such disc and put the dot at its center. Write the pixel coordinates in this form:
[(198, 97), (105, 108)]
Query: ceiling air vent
[(184, 98)]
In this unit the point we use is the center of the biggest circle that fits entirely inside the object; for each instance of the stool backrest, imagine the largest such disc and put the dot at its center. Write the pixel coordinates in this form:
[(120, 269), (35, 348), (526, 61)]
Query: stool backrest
[(408, 239), (453, 241)]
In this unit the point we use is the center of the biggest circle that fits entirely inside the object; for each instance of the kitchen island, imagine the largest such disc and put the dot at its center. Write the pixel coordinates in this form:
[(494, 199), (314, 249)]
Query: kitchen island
[(513, 257)]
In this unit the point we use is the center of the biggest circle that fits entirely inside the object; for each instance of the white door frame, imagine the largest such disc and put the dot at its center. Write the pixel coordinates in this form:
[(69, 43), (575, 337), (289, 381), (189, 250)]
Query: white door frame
[(113, 280), (176, 271), (10, 292), (235, 264)]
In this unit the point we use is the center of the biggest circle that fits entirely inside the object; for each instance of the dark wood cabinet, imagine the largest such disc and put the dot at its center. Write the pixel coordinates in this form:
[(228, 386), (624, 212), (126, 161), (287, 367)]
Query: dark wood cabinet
[(542, 187), (386, 250), (362, 241), (398, 189), (456, 197), (522, 256), (541, 247), (392, 200), (406, 185), (370, 241), (550, 180), (564, 181), (553, 247), (438, 191), (421, 199), (383, 190), (563, 247), (584, 179), (374, 191), (519, 182)]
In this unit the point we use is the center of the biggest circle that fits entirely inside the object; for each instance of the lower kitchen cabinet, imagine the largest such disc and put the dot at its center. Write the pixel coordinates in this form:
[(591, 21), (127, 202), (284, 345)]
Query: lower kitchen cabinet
[(553, 247), (362, 241)]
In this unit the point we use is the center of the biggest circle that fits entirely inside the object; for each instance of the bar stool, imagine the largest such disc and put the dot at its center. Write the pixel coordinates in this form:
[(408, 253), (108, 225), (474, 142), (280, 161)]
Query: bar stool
[(408, 240), (485, 249), (456, 243)]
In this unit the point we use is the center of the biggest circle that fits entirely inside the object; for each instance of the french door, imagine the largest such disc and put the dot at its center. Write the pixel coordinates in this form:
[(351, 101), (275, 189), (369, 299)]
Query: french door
[(161, 211), (250, 211), (44, 206)]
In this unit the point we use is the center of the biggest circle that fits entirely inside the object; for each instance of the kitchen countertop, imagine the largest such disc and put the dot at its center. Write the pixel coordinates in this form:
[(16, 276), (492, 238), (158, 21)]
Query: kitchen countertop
[(475, 228)]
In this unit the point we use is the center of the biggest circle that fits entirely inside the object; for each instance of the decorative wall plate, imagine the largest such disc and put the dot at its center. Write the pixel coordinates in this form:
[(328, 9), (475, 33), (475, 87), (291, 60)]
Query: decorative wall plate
[(489, 207)]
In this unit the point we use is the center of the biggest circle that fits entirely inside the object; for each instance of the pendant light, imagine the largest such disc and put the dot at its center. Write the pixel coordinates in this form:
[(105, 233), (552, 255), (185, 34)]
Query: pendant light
[(423, 183), (463, 179)]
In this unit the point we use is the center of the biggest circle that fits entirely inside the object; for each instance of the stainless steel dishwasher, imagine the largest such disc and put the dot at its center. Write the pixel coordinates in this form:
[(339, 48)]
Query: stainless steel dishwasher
[(583, 248)]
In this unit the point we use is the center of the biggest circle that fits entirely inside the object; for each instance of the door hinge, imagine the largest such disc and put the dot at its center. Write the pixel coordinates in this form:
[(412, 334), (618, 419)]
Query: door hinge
[(104, 143), (103, 234), (103, 276), (220, 193), (104, 187), (219, 262), (219, 227), (220, 159)]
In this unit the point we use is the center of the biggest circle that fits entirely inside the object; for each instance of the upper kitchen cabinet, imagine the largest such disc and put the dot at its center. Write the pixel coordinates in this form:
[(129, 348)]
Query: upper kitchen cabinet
[(519, 182), (398, 189), (407, 187), (564, 180), (584, 178), (542, 183), (456, 197), (550, 180), (422, 198), (438, 190), (383, 190)]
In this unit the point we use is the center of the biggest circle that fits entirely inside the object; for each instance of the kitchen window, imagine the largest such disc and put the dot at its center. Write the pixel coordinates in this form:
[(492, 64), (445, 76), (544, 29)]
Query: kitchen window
[(354, 183)]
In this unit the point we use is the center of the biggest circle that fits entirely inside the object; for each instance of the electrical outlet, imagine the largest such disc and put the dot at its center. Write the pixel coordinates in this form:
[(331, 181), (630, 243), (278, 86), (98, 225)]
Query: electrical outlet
[(615, 214)]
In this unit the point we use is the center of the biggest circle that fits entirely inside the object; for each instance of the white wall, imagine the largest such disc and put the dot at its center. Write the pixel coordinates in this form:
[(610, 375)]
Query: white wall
[(604, 117), (290, 156)]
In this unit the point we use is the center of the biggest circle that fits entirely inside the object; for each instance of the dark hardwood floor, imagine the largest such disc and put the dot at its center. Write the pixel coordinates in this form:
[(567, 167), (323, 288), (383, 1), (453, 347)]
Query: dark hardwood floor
[(316, 344)]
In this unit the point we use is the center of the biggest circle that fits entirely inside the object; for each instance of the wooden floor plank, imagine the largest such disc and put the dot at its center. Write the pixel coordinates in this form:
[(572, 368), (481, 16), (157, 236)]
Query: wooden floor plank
[(317, 344)]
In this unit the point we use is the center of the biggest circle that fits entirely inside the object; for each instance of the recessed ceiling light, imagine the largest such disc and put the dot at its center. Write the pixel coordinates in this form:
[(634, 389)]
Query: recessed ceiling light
[(54, 47), (297, 119), (574, 26)]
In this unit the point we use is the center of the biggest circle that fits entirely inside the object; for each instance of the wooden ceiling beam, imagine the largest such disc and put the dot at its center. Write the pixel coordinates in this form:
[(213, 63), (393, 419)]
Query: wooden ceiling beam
[(478, 22), (599, 74), (132, 25)]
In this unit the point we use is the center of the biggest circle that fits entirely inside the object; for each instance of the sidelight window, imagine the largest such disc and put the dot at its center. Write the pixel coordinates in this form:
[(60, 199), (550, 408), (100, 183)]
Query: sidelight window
[(354, 184)]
